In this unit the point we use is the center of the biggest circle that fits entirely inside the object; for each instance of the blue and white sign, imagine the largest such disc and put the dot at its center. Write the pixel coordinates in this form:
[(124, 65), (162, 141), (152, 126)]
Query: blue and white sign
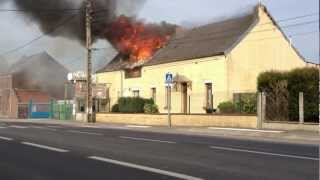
[(169, 78)]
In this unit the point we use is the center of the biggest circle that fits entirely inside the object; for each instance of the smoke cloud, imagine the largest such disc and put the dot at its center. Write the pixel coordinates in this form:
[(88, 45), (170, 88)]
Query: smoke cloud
[(50, 13)]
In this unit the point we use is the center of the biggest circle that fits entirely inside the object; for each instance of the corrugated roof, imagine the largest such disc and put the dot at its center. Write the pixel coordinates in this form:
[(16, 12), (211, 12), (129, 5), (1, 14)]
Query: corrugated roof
[(24, 96)]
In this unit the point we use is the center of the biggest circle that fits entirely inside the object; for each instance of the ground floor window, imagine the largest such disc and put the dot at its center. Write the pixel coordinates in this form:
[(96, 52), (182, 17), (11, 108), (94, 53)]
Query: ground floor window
[(154, 94), (209, 96), (136, 93), (81, 105)]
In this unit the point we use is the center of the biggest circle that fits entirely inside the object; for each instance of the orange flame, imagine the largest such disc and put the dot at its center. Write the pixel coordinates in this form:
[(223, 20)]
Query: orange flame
[(136, 39)]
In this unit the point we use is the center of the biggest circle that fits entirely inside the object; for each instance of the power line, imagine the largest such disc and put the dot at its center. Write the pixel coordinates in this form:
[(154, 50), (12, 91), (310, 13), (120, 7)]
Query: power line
[(236, 31), (40, 10), (294, 18), (291, 35), (39, 37)]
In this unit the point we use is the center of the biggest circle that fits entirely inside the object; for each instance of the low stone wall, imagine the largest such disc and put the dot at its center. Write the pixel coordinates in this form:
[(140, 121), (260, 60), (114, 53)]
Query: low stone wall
[(289, 126), (180, 120)]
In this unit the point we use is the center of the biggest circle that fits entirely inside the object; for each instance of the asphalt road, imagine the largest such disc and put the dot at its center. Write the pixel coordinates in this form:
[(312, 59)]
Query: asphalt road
[(51, 152)]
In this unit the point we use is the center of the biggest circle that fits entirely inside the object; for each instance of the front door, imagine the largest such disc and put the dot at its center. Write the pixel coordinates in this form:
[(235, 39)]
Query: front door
[(184, 98)]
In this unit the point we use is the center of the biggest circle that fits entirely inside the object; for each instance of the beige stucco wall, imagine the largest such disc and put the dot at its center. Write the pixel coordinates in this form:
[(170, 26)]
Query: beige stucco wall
[(180, 120), (263, 49), (199, 71)]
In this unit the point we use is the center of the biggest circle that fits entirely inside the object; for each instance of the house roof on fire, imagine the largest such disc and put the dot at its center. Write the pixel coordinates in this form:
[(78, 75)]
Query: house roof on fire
[(205, 41)]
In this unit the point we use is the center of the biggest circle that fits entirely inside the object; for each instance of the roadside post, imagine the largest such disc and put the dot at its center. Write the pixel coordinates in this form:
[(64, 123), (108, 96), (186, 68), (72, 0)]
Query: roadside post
[(168, 82), (301, 108)]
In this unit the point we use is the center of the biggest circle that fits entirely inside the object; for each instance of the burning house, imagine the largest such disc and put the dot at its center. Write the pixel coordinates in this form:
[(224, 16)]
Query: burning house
[(211, 63)]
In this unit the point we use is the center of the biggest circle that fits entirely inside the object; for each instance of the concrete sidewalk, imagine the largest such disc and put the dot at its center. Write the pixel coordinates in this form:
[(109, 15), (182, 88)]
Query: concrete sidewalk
[(301, 137)]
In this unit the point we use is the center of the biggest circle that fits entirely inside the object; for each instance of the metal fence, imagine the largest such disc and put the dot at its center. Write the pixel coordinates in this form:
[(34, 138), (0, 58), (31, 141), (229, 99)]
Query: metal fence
[(62, 111), (53, 109)]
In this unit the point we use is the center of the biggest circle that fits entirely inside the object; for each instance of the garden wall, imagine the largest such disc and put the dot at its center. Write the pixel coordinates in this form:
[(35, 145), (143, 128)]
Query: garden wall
[(180, 120)]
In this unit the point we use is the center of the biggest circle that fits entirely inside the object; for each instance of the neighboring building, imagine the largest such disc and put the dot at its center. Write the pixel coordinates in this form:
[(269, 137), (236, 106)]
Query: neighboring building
[(212, 64), (40, 71), (38, 77), (14, 102), (99, 94)]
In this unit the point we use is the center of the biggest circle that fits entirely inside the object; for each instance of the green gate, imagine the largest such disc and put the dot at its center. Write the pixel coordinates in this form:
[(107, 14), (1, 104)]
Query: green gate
[(61, 111)]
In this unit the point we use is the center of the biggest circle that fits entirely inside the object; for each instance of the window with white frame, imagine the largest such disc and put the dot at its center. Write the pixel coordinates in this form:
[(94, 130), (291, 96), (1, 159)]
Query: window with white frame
[(136, 93)]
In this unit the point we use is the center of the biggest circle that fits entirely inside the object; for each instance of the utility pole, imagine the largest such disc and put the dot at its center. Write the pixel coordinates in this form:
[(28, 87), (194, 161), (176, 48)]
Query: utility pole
[(89, 113)]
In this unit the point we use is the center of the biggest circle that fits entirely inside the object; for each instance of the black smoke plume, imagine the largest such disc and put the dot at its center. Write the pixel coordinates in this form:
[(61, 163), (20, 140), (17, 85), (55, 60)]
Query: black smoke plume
[(51, 13)]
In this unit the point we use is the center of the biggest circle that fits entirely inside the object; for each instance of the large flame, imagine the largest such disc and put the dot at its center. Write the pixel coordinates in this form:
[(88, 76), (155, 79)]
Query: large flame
[(136, 39)]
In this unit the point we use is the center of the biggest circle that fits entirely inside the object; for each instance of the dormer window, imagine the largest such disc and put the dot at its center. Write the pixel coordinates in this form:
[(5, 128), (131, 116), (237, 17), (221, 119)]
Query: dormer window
[(133, 73)]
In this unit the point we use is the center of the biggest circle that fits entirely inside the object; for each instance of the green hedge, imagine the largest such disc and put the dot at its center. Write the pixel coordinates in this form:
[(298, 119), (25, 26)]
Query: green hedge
[(227, 107), (133, 104), (304, 80)]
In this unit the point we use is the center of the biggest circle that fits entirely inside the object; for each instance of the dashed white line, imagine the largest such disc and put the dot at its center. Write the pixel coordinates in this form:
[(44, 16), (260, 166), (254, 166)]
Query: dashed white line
[(136, 126), (148, 140), (248, 130), (83, 132), (44, 128), (1, 127), (6, 138), (19, 127), (145, 168), (263, 153), (45, 147), (55, 127)]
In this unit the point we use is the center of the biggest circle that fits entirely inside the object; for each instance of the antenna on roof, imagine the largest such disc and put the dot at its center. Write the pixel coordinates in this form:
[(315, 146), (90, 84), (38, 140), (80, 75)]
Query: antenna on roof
[(260, 3)]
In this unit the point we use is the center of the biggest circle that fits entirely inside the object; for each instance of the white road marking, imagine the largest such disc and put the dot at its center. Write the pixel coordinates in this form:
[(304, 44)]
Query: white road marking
[(19, 127), (1, 127), (44, 128), (55, 127), (6, 138), (135, 126), (145, 168), (264, 153), (83, 132), (248, 130), (45, 147), (109, 127), (148, 140)]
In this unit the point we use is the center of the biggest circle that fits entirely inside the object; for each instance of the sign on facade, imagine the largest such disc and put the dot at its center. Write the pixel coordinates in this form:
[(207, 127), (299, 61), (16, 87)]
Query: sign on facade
[(169, 78)]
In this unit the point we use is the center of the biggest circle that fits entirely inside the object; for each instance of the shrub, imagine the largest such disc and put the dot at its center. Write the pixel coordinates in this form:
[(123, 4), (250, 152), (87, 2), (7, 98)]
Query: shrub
[(136, 105), (151, 109), (226, 107), (115, 108), (246, 103), (131, 105)]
